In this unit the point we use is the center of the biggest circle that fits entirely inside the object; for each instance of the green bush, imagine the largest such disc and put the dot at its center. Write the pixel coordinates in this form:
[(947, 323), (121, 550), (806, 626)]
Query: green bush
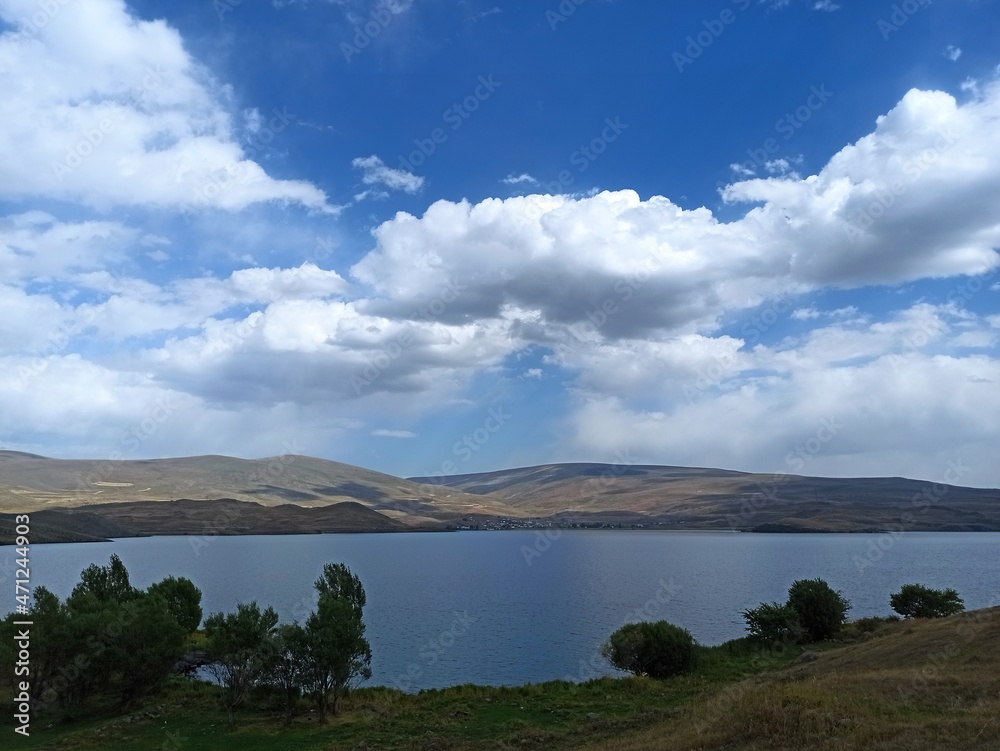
[(918, 601), (771, 622), (820, 609), (657, 650)]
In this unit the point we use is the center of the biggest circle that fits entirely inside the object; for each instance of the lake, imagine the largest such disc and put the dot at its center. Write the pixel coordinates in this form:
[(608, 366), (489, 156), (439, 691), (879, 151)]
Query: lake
[(518, 607)]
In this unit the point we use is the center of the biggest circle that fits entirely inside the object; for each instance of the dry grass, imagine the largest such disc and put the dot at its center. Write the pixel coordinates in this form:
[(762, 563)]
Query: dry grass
[(913, 685)]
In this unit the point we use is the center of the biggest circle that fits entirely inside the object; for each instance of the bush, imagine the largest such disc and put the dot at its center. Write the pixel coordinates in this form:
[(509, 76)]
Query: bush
[(820, 609), (918, 601), (657, 650), (771, 622)]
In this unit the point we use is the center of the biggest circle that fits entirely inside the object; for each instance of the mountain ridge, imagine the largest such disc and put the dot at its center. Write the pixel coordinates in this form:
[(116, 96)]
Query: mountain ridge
[(124, 494)]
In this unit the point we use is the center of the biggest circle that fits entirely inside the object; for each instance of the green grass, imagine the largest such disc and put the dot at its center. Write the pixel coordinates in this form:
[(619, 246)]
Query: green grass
[(185, 716)]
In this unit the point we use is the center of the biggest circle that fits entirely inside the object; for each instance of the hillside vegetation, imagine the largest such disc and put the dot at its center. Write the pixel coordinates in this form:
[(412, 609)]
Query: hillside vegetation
[(924, 684)]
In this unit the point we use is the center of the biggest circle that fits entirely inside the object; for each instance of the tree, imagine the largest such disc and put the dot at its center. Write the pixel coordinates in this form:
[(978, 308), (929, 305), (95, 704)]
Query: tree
[(918, 601), (146, 646), (657, 650), (820, 609), (287, 670), (105, 583), (183, 600), (238, 646), (337, 653), (774, 623), (338, 581)]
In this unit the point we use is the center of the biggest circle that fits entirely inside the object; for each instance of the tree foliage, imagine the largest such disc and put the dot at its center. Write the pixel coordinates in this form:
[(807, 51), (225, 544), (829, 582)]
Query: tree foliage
[(821, 610), (106, 584), (339, 582), (338, 652), (287, 669), (918, 601), (773, 623), (657, 650), (107, 639), (238, 644), (183, 599)]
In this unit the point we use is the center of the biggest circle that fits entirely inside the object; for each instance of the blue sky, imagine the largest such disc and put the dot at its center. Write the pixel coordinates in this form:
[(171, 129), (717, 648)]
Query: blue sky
[(432, 237)]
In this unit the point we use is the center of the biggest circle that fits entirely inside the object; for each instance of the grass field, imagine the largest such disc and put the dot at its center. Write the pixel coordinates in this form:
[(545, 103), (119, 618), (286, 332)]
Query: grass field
[(914, 685)]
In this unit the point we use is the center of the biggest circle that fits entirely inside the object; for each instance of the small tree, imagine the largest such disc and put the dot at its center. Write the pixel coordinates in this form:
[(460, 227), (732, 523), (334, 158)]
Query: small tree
[(105, 583), (657, 650), (338, 581), (820, 609), (183, 599), (774, 623), (238, 645), (287, 671), (918, 601), (144, 649), (337, 651)]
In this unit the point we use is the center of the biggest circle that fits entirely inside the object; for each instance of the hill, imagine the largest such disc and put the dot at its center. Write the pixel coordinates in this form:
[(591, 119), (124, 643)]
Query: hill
[(292, 493), (30, 483), (719, 498)]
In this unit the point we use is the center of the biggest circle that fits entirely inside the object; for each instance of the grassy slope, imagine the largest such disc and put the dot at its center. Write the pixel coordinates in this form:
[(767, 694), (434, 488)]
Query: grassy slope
[(912, 685)]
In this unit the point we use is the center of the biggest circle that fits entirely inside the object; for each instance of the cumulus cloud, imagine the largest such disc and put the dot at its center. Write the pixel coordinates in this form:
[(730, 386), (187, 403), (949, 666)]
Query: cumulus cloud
[(104, 109), (914, 199), (626, 297)]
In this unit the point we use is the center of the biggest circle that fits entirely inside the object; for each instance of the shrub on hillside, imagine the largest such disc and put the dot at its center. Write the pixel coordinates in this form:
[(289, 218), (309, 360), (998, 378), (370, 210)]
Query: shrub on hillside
[(657, 650), (918, 601), (772, 622), (821, 610)]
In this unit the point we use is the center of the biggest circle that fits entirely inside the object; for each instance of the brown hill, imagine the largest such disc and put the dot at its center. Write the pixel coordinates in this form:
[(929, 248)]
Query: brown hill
[(718, 498), (31, 483)]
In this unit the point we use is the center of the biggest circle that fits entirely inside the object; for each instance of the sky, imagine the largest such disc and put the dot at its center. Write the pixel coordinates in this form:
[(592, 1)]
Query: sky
[(432, 237)]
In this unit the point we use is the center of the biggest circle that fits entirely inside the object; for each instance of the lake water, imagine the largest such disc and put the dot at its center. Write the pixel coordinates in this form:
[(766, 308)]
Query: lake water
[(517, 607)]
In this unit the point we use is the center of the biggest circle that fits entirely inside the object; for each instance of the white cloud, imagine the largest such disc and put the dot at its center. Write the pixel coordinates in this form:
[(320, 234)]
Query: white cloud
[(952, 53), (914, 199), (104, 109), (393, 433), (376, 172), (524, 177)]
